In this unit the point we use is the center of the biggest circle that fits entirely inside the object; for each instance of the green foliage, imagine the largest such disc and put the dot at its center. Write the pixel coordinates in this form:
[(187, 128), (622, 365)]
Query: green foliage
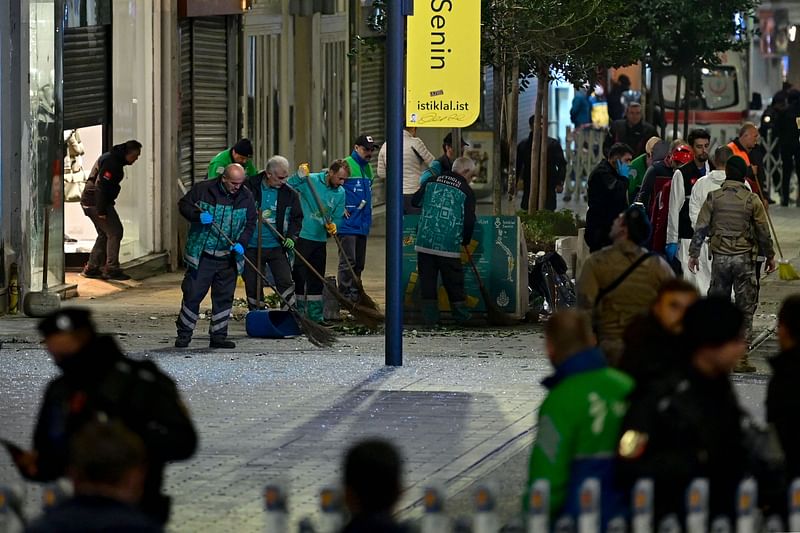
[(542, 227), (686, 34), (569, 38)]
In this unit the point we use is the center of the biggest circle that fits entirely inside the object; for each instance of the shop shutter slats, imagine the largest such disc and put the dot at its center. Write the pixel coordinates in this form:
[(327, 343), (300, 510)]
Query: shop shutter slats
[(209, 91), (185, 136), (204, 94), (86, 77)]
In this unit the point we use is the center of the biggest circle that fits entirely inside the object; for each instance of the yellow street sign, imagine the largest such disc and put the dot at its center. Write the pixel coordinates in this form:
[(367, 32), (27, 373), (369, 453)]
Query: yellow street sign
[(443, 65)]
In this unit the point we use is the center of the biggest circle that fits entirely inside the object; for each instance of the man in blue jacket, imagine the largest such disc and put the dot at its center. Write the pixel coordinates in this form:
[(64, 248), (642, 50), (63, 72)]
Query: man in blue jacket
[(211, 261), (357, 219), (278, 204)]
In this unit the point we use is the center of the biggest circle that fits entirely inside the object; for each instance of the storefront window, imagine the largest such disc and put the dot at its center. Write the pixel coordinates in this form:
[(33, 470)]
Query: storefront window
[(44, 145)]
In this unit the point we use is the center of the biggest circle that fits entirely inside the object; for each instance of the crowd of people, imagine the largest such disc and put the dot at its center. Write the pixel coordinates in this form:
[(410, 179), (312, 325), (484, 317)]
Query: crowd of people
[(666, 410)]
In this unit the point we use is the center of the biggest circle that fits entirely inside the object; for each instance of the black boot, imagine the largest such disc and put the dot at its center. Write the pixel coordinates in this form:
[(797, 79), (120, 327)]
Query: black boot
[(182, 341), (221, 342)]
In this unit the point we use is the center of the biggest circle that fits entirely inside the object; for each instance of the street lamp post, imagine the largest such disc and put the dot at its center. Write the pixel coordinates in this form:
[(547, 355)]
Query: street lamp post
[(394, 187)]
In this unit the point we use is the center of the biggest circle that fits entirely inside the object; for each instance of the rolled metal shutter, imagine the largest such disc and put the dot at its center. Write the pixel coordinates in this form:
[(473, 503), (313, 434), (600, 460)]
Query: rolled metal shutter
[(204, 97), (185, 134), (209, 91), (86, 76), (371, 108)]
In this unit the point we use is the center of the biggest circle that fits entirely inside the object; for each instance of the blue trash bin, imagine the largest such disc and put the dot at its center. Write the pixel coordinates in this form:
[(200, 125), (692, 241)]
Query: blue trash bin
[(271, 324)]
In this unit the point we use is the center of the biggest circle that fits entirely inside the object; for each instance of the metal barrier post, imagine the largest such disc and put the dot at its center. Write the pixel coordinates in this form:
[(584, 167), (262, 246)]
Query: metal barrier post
[(589, 519), (485, 520), (434, 520), (697, 506), (642, 519), (747, 506), (330, 503), (276, 517), (539, 507)]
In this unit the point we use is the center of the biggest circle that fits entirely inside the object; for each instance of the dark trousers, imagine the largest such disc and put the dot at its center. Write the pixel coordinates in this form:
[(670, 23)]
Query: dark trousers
[(275, 259), (429, 267), (355, 251), (409, 209), (306, 283), (105, 252), (790, 157), (219, 274)]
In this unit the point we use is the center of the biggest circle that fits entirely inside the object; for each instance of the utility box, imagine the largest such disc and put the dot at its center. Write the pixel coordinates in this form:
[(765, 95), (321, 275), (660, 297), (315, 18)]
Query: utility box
[(501, 256)]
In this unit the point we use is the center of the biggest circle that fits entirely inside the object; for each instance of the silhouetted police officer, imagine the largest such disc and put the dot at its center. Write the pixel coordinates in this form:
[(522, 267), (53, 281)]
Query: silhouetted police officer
[(98, 382)]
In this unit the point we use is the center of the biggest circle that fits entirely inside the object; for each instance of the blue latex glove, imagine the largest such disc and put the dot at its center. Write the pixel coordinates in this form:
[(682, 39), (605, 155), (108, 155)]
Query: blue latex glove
[(206, 218), (238, 248), (670, 250)]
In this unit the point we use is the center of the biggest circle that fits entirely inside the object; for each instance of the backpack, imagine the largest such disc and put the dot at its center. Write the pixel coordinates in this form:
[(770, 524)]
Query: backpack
[(659, 212)]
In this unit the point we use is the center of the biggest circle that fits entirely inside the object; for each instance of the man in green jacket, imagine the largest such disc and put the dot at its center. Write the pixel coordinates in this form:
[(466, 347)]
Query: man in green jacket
[(579, 420), (241, 152)]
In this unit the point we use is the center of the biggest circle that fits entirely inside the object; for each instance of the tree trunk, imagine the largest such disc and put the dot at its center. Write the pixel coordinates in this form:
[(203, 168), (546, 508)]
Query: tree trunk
[(657, 83), (543, 181), (533, 196), (689, 89), (513, 114), (677, 106), (499, 93)]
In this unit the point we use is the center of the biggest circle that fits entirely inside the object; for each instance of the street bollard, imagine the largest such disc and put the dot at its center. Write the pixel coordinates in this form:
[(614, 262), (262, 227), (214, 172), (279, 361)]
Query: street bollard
[(697, 506), (539, 507), (589, 518), (331, 510), (434, 520), (642, 504), (55, 493), (669, 524), (276, 516), (721, 524), (485, 519), (747, 506), (11, 517), (794, 506)]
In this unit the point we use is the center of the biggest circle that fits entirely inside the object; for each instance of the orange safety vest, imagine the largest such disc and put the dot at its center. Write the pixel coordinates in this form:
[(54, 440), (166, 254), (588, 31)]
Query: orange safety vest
[(740, 152)]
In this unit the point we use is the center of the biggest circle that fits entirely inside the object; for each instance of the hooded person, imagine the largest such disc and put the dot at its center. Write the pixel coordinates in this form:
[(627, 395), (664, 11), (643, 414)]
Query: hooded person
[(98, 200)]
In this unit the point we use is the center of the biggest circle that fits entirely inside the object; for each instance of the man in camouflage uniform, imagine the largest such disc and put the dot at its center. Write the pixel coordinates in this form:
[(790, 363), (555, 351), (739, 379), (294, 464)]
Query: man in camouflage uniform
[(735, 221)]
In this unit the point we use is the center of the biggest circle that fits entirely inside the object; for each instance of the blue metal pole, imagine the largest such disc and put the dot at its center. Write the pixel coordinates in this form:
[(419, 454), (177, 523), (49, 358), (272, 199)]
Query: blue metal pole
[(394, 183)]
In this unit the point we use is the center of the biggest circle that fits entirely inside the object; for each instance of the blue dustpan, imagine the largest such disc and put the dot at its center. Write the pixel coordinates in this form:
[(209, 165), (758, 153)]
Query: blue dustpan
[(271, 324)]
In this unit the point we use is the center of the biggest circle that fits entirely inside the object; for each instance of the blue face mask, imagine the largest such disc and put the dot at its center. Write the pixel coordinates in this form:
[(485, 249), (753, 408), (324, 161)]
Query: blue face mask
[(623, 168)]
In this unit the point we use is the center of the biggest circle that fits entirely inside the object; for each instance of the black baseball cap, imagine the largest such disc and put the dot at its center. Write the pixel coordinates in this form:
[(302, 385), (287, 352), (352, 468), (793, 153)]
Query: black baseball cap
[(366, 141)]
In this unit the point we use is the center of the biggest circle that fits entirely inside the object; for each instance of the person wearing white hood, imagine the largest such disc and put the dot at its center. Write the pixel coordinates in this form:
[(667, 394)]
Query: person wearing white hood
[(700, 192)]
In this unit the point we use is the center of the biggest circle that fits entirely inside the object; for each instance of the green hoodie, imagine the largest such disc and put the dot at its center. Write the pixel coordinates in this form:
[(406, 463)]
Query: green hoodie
[(223, 159)]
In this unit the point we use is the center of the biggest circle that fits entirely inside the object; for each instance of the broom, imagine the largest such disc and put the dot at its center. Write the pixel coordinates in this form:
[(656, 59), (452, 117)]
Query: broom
[(786, 271), (368, 317), (364, 299), (316, 334), (495, 315)]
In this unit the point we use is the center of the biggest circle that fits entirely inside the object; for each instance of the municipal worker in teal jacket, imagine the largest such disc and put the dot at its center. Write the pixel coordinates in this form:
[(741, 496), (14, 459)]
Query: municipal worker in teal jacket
[(319, 221), (357, 219), (241, 152), (445, 226), (220, 210), (579, 420)]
